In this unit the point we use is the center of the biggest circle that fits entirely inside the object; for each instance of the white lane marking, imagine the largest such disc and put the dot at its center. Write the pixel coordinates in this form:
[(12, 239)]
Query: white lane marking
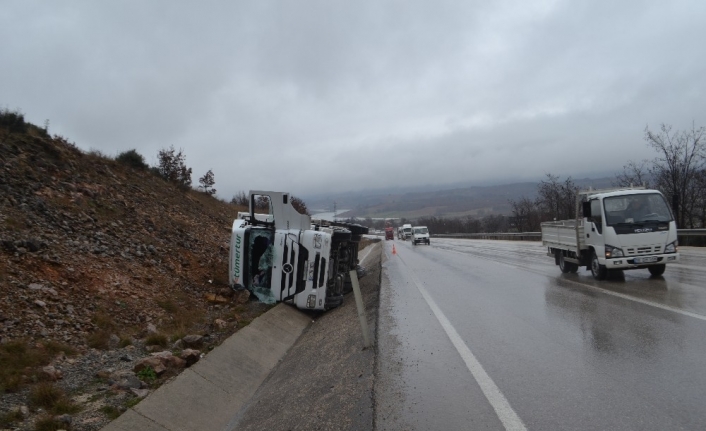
[(641, 301), (689, 267), (369, 248), (492, 393)]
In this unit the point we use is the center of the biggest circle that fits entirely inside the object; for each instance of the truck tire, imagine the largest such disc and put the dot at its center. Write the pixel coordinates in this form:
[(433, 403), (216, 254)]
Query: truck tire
[(564, 266), (657, 270), (599, 271), (567, 267)]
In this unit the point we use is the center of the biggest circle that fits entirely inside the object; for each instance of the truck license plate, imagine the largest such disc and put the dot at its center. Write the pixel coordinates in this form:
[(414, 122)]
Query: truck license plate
[(645, 259)]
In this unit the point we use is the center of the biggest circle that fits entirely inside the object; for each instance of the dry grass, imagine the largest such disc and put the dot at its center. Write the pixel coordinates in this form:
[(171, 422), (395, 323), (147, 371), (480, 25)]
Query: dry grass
[(7, 420), (157, 340), (183, 315), (111, 412), (19, 361), (14, 225), (48, 423), (99, 339), (103, 320), (45, 395), (51, 398)]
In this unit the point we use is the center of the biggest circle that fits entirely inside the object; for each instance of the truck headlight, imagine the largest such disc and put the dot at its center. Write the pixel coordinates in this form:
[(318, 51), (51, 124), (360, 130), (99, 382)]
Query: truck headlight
[(611, 252), (672, 247)]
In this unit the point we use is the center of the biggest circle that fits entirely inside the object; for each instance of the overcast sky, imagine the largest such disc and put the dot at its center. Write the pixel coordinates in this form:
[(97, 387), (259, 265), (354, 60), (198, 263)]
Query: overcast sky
[(324, 96)]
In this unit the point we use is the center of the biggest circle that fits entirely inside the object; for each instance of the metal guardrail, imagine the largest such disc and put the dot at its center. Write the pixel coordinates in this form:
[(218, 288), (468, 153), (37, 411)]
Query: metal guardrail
[(516, 236), (691, 232), (537, 236)]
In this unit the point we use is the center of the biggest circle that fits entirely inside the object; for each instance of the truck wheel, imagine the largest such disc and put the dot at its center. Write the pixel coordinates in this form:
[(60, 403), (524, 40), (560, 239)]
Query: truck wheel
[(564, 265), (657, 270), (599, 271), (574, 268)]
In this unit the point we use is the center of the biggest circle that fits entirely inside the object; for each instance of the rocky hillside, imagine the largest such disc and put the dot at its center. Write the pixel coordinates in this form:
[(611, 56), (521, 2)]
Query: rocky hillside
[(86, 239), (95, 256)]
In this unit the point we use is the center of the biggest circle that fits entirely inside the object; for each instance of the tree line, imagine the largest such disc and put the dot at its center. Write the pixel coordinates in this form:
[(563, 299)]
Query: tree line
[(678, 170)]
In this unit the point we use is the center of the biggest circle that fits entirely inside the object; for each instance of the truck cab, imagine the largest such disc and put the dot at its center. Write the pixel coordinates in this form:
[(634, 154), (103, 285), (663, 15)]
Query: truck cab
[(406, 231), (629, 230), (284, 256)]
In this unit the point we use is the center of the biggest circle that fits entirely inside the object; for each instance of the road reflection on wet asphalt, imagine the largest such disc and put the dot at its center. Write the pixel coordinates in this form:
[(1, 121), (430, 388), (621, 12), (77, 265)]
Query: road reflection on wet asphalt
[(563, 350)]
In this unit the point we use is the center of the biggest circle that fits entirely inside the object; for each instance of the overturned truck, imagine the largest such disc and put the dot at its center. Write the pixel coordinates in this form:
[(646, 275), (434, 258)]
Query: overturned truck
[(285, 256)]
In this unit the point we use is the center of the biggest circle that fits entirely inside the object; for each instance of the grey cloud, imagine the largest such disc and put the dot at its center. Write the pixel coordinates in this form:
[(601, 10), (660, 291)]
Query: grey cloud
[(320, 96)]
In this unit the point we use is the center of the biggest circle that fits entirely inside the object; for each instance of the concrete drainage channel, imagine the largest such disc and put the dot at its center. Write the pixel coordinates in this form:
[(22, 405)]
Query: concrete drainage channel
[(286, 370)]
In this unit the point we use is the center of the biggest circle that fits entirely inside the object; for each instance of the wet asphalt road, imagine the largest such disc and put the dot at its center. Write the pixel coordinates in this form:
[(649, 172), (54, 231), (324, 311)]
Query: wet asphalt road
[(490, 335)]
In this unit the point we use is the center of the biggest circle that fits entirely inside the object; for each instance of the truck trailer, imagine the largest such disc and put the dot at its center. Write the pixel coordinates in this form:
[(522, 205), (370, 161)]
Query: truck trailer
[(618, 229), (285, 256)]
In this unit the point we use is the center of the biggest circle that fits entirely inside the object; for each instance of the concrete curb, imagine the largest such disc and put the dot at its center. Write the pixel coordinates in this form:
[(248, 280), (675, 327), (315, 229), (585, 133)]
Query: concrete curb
[(210, 393)]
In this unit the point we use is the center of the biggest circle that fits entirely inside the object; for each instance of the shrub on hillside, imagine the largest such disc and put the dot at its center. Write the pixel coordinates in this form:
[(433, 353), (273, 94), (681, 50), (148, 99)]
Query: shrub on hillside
[(14, 121), (172, 167), (133, 159)]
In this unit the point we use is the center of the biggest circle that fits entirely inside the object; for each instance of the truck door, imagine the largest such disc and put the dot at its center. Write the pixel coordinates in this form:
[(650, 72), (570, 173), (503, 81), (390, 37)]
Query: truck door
[(595, 236)]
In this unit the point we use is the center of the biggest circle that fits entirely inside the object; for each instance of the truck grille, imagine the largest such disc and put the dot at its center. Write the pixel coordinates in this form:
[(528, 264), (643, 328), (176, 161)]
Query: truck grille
[(640, 250)]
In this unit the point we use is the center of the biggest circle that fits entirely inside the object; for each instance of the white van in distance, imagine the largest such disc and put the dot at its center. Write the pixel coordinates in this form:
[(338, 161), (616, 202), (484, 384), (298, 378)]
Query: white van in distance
[(420, 235)]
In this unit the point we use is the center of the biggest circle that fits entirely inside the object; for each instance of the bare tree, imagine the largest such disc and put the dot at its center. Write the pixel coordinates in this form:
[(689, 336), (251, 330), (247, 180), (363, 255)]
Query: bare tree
[(700, 204), (634, 174), (262, 203), (240, 199), (207, 182), (525, 214), (680, 162), (494, 223), (556, 200)]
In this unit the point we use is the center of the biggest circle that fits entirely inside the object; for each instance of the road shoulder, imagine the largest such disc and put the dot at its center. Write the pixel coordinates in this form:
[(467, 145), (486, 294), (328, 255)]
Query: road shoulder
[(325, 381)]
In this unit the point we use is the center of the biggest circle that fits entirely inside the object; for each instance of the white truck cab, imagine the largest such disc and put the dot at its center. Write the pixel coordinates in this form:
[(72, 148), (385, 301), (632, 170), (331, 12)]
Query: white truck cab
[(285, 256), (619, 229), (406, 231)]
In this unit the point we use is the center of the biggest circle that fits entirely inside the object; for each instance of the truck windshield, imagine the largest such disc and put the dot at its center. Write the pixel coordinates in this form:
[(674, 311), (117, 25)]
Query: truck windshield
[(638, 208), (260, 258), (421, 230)]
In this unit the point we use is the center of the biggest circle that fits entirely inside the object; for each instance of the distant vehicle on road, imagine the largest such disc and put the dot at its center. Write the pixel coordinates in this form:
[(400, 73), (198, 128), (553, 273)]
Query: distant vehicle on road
[(389, 233), (405, 231), (420, 235)]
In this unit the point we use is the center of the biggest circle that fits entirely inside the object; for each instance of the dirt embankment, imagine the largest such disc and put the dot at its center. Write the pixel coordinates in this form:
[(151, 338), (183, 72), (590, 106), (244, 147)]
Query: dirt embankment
[(100, 263)]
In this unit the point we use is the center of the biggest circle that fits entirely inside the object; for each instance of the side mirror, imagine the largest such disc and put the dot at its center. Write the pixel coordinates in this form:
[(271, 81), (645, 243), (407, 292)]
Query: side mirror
[(587, 209)]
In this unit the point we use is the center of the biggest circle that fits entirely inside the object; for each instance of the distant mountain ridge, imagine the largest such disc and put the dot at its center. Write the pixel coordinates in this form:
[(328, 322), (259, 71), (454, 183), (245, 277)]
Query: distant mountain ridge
[(475, 201)]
